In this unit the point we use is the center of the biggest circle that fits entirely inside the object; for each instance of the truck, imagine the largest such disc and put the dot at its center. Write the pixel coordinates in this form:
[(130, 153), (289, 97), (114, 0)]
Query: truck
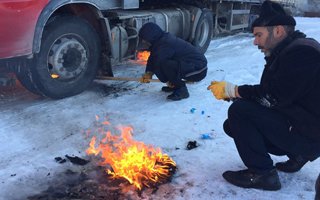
[(56, 48)]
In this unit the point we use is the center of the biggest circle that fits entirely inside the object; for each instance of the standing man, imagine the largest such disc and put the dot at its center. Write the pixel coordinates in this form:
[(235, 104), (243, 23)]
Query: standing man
[(281, 115), (172, 60)]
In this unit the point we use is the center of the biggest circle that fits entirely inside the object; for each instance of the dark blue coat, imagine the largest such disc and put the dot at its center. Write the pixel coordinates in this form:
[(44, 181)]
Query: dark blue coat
[(290, 84), (165, 46)]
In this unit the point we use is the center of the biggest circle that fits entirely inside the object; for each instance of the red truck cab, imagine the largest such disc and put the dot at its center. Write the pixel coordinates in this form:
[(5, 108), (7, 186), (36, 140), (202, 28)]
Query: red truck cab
[(18, 19)]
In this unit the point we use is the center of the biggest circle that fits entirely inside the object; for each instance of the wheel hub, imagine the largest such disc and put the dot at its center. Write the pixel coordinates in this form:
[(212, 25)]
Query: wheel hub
[(67, 59)]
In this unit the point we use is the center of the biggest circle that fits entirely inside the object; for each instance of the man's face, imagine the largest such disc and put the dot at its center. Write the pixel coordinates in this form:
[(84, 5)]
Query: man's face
[(265, 39)]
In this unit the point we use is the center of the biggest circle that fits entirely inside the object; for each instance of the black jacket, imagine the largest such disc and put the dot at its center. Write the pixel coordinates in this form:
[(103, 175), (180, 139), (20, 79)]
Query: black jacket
[(290, 84), (165, 46)]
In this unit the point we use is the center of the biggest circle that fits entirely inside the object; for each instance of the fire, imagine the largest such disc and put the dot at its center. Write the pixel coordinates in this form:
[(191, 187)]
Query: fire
[(143, 55), (140, 164), (54, 76)]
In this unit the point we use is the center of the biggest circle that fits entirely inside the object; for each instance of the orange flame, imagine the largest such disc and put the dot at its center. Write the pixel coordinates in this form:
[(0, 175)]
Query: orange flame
[(143, 55), (140, 164)]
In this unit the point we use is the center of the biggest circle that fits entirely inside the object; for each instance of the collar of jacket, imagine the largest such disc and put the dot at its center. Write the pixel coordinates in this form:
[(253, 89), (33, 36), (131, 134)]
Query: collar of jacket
[(281, 46), (284, 43)]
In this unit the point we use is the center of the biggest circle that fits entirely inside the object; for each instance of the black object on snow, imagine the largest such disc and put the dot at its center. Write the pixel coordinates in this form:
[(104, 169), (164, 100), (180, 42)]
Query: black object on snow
[(76, 160), (60, 160), (192, 145)]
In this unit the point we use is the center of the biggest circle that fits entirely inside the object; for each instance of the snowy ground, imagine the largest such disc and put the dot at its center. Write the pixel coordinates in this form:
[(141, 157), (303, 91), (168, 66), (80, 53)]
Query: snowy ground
[(36, 130)]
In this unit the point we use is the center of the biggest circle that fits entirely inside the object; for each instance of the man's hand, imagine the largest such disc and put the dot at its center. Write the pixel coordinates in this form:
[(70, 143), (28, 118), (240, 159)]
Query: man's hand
[(146, 77), (222, 90)]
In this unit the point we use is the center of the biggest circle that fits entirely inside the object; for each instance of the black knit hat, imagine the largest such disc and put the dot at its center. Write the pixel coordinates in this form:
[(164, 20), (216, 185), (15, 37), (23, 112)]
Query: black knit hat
[(150, 32), (273, 14)]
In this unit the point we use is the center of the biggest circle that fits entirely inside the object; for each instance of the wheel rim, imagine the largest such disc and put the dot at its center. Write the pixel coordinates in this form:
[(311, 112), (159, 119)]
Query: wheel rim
[(203, 33), (67, 58)]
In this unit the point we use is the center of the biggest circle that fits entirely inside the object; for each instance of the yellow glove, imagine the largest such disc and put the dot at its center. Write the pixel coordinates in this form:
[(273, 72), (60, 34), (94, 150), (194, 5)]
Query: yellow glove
[(222, 90), (146, 77)]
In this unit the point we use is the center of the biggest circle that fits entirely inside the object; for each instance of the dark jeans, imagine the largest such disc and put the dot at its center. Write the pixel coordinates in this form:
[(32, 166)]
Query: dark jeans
[(258, 131), (171, 71)]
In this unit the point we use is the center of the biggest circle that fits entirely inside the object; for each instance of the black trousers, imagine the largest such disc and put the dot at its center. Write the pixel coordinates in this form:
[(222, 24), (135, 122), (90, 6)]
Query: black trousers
[(258, 131), (171, 71)]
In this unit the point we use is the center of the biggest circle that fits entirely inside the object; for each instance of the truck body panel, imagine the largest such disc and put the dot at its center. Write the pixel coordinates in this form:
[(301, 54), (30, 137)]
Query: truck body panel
[(18, 20)]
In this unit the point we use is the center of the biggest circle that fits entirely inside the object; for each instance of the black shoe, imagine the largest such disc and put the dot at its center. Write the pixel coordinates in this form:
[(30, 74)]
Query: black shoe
[(294, 164), (167, 89), (178, 94), (248, 179)]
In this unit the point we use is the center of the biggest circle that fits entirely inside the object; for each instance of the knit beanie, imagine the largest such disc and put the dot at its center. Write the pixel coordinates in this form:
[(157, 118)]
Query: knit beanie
[(273, 14)]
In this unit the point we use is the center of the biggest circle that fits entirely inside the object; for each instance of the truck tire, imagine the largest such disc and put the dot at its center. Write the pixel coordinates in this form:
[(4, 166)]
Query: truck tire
[(24, 76), (203, 32), (68, 60)]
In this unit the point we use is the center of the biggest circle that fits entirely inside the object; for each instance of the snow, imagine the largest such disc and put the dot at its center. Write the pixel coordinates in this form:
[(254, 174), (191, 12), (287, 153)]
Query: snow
[(36, 130)]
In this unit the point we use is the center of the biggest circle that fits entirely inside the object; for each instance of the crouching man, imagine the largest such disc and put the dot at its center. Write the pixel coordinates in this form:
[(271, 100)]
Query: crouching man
[(172, 60), (281, 115)]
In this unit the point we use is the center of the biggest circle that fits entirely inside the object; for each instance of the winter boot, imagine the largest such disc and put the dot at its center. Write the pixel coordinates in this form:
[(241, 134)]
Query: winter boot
[(167, 89), (249, 179), (178, 94), (294, 164)]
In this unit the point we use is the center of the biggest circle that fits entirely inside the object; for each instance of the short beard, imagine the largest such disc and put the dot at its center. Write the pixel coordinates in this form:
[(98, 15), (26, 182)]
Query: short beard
[(271, 42)]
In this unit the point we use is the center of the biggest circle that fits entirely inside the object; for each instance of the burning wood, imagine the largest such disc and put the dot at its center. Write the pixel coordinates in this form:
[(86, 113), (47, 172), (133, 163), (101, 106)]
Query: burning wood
[(140, 164)]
